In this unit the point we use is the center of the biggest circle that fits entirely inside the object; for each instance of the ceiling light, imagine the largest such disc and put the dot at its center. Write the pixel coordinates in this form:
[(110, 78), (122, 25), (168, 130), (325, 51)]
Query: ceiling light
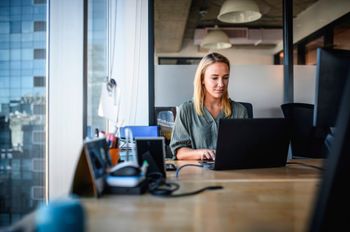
[(216, 39), (239, 11)]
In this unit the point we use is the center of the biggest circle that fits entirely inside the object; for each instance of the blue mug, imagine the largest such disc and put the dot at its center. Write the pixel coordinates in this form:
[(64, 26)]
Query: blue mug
[(61, 215)]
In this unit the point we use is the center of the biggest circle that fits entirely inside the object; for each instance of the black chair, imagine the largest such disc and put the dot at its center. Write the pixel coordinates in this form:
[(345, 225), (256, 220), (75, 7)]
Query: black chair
[(249, 108), (306, 140)]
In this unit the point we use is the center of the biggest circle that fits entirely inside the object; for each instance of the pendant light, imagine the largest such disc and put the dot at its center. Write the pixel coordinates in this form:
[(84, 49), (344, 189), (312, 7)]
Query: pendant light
[(216, 39), (239, 11)]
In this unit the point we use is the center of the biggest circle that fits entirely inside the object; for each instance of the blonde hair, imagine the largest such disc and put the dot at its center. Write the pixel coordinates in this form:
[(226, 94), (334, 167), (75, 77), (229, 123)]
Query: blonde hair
[(199, 91)]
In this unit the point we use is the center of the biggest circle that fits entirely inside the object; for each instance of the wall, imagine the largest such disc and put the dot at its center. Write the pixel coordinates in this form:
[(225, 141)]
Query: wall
[(262, 85)]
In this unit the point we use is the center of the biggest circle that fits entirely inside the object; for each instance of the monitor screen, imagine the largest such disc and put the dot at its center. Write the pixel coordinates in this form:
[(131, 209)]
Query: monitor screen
[(333, 66), (332, 198), (156, 148)]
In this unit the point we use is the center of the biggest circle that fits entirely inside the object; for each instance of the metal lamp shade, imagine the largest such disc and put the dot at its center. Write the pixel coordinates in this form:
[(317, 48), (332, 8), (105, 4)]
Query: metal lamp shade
[(239, 11), (216, 39)]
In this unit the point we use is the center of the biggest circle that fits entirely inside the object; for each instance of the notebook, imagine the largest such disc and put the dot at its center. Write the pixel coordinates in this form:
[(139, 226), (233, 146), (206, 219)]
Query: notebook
[(251, 143)]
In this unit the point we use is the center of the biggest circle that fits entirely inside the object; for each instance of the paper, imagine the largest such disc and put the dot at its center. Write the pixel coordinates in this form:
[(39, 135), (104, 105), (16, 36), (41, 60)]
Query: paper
[(109, 103)]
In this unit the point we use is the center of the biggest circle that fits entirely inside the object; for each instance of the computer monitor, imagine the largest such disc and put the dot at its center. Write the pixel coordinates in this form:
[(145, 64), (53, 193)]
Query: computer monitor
[(332, 199), (333, 66), (156, 148)]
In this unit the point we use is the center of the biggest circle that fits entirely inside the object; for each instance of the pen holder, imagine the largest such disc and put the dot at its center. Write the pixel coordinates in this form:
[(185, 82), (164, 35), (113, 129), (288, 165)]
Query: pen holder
[(114, 153)]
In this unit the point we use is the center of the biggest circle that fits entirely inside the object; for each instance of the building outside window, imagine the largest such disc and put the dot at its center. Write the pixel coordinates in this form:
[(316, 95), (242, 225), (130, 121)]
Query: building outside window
[(97, 62), (23, 50)]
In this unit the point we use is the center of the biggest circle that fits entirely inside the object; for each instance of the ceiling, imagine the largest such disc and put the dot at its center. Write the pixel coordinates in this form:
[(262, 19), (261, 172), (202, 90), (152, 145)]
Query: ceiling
[(176, 20)]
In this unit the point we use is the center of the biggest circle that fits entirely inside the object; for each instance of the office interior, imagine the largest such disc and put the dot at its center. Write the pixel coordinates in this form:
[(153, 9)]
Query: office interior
[(56, 57)]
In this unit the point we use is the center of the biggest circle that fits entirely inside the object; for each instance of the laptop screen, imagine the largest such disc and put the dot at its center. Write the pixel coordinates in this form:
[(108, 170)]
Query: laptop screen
[(252, 143)]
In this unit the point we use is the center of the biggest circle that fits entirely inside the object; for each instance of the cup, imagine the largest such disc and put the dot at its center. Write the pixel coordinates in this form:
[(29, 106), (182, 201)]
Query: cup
[(114, 154)]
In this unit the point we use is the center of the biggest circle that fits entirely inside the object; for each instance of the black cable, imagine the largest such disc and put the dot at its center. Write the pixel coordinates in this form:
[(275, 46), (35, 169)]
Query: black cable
[(158, 186), (307, 165), (215, 187), (186, 165)]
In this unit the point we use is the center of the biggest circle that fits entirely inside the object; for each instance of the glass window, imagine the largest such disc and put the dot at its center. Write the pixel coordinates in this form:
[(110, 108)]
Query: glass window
[(4, 83), (27, 82), (16, 2), (15, 37), (15, 54), (40, 26), (15, 82), (39, 53), (39, 1), (39, 36), (4, 28), (22, 111), (27, 64), (27, 26), (27, 11), (15, 65), (39, 81), (97, 42), (4, 11), (15, 10), (4, 55), (16, 27)]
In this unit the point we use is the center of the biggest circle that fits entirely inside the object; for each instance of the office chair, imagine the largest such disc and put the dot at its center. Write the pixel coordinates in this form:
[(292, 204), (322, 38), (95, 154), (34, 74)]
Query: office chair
[(306, 140), (249, 108), (159, 109), (165, 117)]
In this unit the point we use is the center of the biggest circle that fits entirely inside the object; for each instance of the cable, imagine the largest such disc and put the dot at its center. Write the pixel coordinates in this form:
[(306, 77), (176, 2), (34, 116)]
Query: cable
[(158, 186), (215, 187), (307, 165), (187, 165)]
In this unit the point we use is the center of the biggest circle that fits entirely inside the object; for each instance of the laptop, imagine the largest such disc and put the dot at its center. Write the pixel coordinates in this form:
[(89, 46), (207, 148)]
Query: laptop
[(251, 143)]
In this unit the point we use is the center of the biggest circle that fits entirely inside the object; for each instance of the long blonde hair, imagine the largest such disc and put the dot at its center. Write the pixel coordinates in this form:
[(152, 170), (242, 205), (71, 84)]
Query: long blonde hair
[(199, 91)]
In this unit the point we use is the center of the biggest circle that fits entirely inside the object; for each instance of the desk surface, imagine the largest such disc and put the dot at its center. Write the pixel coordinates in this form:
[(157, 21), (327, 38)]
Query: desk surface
[(274, 199)]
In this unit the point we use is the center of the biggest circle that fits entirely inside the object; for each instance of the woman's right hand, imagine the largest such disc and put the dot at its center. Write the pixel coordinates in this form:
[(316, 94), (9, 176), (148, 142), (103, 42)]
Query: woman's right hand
[(206, 154), (185, 153)]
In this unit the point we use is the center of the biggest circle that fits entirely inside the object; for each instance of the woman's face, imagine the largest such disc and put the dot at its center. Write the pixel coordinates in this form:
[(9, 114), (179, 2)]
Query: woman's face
[(215, 80)]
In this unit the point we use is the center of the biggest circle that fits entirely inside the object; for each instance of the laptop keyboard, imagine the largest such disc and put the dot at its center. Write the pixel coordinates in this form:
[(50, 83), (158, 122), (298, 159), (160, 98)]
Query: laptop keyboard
[(209, 164)]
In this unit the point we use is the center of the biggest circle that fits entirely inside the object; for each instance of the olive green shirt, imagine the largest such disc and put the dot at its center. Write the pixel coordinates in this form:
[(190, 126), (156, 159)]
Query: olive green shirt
[(194, 131)]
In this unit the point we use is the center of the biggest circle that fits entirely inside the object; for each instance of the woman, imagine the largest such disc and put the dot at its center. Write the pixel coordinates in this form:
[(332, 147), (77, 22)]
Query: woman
[(195, 131)]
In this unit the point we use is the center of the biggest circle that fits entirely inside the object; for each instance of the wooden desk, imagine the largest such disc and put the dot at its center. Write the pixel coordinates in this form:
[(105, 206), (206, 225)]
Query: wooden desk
[(274, 199)]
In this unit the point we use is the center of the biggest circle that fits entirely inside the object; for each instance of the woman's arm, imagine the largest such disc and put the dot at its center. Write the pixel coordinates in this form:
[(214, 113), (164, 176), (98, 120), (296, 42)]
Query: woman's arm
[(185, 153)]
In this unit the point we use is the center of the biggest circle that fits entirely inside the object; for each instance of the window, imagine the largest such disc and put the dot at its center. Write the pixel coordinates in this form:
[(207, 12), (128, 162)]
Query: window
[(39, 53), (97, 70), (38, 137), (22, 110), (39, 1), (39, 81), (15, 27), (39, 26)]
